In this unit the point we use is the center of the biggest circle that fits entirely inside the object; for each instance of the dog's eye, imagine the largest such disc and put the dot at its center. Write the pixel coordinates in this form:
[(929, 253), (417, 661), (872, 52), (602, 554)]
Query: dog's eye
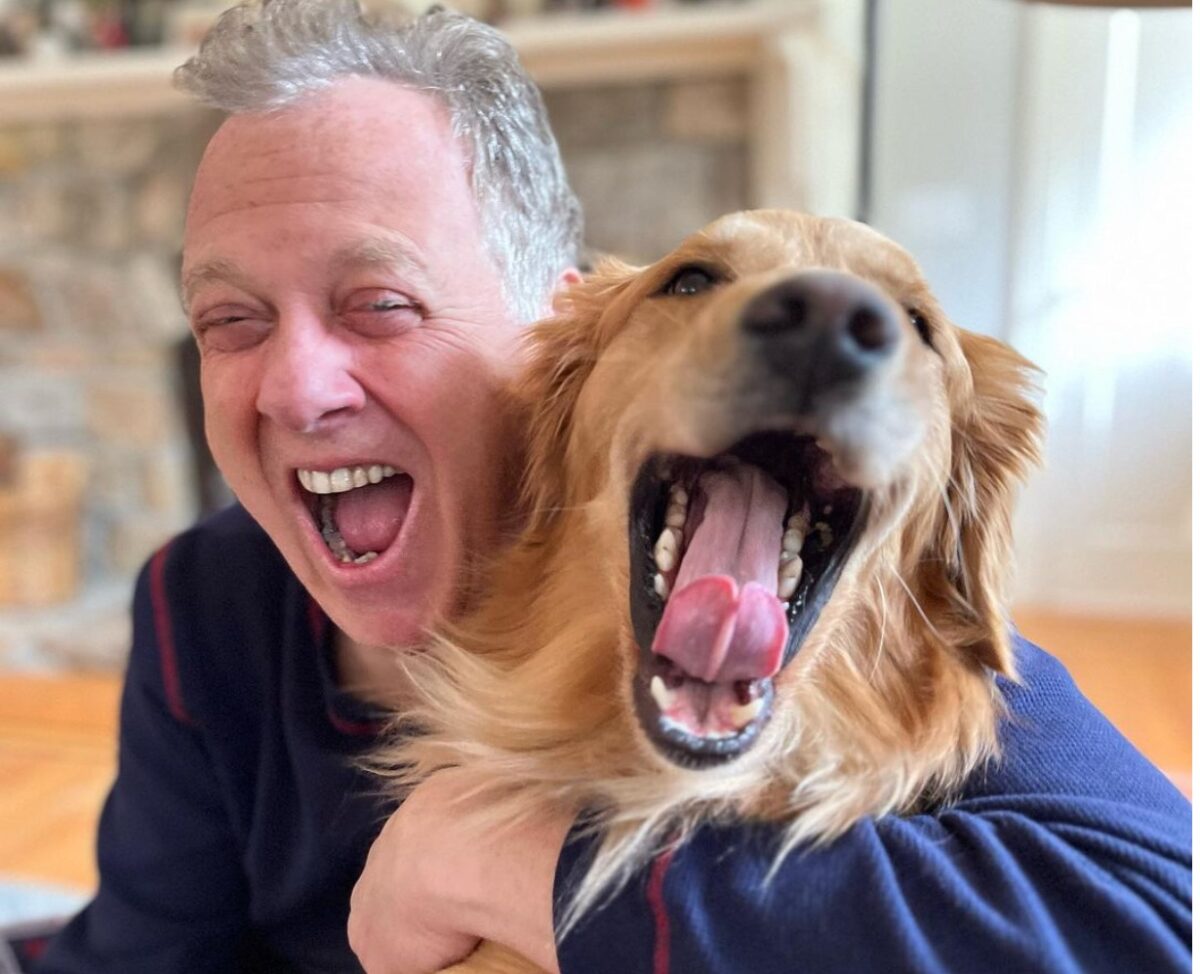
[(690, 280), (921, 323)]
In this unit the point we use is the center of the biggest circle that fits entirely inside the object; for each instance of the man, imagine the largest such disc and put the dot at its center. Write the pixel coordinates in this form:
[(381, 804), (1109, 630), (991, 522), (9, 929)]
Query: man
[(367, 230), (381, 211)]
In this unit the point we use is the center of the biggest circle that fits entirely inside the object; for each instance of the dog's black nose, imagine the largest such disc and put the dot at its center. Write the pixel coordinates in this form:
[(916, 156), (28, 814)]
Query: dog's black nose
[(835, 325)]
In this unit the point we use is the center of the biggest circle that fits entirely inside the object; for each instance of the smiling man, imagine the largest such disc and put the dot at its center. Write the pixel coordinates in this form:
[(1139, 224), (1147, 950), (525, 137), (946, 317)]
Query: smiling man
[(382, 211), (354, 335)]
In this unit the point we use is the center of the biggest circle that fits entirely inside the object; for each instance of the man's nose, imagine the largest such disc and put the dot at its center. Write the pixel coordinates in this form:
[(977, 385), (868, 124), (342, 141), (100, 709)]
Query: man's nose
[(825, 328), (307, 381)]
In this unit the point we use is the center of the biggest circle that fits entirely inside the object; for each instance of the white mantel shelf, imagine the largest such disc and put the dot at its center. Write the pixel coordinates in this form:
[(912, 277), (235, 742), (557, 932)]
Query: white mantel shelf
[(799, 55)]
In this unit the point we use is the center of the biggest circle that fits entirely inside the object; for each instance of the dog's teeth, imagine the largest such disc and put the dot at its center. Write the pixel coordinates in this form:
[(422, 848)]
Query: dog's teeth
[(793, 541), (666, 549), (305, 478), (743, 714), (790, 570), (662, 588), (824, 534), (662, 696), (799, 521), (359, 476), (374, 473), (320, 483)]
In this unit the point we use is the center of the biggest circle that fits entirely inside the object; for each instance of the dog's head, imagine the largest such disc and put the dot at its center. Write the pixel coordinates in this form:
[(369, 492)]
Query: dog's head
[(772, 463), (766, 532)]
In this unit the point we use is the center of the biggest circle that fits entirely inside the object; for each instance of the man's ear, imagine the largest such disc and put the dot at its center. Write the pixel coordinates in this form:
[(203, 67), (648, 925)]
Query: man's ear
[(561, 353), (565, 280), (995, 442)]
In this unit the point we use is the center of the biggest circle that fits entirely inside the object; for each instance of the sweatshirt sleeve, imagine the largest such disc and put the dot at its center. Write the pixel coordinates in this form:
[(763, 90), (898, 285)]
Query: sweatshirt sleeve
[(171, 896), (1072, 854)]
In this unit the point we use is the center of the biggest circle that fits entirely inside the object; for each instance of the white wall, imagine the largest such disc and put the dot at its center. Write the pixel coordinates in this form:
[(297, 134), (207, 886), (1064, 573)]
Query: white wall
[(945, 114), (1031, 158)]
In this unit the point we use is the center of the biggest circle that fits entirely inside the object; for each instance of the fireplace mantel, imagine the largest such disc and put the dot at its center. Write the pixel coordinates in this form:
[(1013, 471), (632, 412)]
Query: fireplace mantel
[(801, 57)]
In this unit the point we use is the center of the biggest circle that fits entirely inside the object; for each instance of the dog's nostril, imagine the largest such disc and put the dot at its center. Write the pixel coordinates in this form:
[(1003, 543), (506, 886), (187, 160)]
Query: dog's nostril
[(795, 308), (869, 329)]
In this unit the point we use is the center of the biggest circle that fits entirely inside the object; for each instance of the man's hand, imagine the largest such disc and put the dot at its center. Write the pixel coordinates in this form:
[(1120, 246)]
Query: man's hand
[(437, 881)]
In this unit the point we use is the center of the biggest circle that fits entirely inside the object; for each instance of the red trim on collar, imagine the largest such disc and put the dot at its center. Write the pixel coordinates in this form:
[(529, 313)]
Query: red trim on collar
[(359, 728), (658, 910), (318, 623), (165, 637)]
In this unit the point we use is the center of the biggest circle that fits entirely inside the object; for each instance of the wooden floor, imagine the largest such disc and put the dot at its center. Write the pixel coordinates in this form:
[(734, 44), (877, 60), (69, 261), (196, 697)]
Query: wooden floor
[(57, 735), (1137, 672), (57, 759)]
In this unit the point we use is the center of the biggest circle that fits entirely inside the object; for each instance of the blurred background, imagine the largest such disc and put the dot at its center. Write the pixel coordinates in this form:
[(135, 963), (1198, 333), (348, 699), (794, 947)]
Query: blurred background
[(1034, 157)]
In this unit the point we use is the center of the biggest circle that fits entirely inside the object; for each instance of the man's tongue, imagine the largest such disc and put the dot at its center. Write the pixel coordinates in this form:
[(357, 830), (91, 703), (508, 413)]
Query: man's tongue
[(369, 518), (723, 621)]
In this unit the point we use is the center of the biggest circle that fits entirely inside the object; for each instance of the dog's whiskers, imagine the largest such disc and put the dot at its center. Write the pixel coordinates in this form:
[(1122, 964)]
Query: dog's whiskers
[(883, 622), (913, 599)]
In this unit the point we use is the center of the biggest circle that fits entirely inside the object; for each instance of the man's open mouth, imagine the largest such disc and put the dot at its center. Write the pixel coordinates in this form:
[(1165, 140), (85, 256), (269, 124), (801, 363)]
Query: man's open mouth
[(358, 510), (732, 560)]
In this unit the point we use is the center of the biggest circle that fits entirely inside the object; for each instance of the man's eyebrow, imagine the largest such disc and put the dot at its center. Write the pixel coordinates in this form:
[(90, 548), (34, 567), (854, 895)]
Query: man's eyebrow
[(217, 269), (383, 252), (370, 252)]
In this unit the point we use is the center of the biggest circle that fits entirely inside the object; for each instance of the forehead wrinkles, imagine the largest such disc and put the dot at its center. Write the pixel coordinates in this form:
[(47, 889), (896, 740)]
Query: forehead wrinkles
[(393, 252)]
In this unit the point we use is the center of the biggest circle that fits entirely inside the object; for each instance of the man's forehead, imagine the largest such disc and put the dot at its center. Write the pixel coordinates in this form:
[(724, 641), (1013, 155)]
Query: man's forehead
[(359, 135)]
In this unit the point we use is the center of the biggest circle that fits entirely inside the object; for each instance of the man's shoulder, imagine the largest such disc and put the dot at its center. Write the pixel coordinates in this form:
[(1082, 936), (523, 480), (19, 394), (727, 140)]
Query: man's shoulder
[(1056, 746), (224, 552), (230, 533), (219, 583)]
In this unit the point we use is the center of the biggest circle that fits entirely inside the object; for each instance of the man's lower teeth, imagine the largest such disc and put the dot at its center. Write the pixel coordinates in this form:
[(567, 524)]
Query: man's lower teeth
[(333, 538)]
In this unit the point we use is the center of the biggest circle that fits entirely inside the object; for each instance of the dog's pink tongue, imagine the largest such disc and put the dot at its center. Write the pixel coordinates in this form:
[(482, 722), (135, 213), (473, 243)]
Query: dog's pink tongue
[(723, 621), (369, 518)]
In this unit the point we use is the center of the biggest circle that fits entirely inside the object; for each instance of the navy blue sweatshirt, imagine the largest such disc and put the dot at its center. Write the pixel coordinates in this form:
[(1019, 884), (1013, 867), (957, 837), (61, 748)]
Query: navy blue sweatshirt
[(239, 822)]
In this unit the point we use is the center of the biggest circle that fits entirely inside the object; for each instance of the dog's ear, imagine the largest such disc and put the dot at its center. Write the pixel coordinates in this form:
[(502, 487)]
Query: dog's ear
[(995, 442), (562, 351)]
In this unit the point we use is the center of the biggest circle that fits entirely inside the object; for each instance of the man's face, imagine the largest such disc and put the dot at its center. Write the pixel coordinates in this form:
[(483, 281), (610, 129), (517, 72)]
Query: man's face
[(351, 322)]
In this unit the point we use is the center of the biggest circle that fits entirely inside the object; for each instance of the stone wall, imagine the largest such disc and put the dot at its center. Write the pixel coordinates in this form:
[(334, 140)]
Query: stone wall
[(91, 216), (653, 163)]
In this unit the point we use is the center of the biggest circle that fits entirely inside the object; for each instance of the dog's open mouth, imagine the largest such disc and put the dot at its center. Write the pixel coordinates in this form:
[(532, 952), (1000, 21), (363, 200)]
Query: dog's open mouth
[(732, 560)]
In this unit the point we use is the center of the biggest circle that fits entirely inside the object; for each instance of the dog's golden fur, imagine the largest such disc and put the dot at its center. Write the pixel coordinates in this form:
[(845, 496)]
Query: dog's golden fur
[(890, 702)]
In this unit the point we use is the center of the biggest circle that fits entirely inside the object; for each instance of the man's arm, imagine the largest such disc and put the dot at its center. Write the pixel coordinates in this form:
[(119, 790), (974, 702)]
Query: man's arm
[(1073, 854), (171, 895)]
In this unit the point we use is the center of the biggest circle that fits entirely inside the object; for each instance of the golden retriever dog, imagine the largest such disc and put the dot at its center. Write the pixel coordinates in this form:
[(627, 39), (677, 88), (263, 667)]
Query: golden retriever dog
[(766, 532)]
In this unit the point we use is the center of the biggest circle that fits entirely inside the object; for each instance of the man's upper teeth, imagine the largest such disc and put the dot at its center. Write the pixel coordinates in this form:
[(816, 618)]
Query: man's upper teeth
[(343, 478)]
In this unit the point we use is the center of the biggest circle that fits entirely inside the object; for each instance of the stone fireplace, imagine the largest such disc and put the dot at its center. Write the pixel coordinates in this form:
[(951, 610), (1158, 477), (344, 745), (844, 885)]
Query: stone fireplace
[(665, 121)]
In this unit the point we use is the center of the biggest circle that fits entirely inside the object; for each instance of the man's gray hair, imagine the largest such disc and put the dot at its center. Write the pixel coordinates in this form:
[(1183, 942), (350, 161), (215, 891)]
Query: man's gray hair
[(266, 54)]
